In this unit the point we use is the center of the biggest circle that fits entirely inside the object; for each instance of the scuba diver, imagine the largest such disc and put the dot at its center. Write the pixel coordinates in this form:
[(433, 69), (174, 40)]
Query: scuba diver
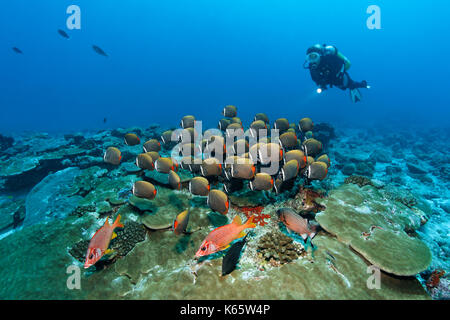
[(328, 66)]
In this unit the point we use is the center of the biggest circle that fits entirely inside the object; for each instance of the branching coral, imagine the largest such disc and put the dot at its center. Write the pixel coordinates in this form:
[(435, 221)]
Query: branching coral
[(277, 249)]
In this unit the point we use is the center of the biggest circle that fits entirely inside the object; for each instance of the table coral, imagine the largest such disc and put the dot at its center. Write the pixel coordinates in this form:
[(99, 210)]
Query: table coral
[(376, 228)]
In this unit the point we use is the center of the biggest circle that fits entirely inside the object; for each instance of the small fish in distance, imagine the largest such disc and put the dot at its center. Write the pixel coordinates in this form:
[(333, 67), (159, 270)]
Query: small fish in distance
[(99, 50), (63, 34), (17, 50)]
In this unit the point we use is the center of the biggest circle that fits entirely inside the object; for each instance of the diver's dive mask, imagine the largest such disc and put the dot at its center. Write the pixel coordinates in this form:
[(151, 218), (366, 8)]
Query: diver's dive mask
[(312, 60)]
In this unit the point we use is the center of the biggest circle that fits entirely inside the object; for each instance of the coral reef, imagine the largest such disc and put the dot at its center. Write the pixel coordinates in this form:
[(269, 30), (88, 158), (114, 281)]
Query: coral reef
[(248, 198), (380, 156), (82, 210), (5, 142), (400, 195), (348, 169), (24, 274), (325, 133), (391, 212), (358, 180), (437, 283), (12, 213), (435, 278), (304, 201), (376, 228), (126, 240), (147, 273), (259, 218), (33, 156), (54, 197)]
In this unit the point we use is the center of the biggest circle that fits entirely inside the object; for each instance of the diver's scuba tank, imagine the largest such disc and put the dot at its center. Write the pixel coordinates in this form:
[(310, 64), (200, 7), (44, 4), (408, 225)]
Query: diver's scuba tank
[(335, 51), (332, 50), (315, 48)]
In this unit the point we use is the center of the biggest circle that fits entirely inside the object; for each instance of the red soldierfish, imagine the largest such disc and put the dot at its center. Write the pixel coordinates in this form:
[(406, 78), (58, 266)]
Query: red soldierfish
[(99, 243), (221, 237), (296, 223)]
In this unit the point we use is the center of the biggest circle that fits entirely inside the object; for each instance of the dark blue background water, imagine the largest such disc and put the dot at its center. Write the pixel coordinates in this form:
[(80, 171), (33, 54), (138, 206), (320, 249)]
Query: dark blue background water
[(170, 58)]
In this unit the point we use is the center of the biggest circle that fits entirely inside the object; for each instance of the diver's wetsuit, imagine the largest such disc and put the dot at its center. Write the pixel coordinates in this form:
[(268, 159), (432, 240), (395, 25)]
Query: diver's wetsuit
[(331, 71)]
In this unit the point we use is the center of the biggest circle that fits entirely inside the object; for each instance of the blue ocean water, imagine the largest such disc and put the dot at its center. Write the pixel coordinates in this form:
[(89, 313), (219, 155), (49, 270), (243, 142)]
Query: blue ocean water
[(171, 58)]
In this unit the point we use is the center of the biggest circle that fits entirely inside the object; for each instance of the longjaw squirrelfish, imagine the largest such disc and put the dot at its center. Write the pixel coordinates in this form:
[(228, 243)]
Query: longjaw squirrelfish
[(99, 243), (221, 237)]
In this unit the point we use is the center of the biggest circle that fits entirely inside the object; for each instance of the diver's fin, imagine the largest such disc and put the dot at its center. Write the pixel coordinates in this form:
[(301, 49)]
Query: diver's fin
[(355, 95)]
